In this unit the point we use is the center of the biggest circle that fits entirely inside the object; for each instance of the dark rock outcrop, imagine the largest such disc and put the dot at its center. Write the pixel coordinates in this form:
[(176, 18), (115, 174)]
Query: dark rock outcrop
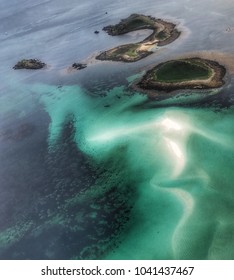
[(32, 64), (79, 66)]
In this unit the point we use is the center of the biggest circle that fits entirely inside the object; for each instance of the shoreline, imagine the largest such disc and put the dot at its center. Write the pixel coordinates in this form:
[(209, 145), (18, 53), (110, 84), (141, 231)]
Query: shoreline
[(162, 90)]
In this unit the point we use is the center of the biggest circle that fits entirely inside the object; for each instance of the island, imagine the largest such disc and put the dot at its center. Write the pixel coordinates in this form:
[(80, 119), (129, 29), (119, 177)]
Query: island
[(32, 64), (163, 33), (188, 73)]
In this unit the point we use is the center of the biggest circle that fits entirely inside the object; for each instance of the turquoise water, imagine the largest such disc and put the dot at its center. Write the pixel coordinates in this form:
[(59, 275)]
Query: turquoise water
[(176, 163), (180, 160)]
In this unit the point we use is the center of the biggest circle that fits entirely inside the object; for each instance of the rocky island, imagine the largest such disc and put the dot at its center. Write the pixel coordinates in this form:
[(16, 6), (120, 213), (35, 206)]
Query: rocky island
[(188, 73), (32, 64), (163, 33)]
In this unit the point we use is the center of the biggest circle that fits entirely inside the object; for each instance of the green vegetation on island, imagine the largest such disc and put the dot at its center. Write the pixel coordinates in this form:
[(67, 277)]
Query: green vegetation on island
[(182, 70), (163, 34), (126, 53), (189, 73), (32, 64)]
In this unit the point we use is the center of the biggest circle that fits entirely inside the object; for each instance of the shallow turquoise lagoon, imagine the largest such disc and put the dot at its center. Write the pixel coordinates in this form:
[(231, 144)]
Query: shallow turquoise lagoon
[(162, 178)]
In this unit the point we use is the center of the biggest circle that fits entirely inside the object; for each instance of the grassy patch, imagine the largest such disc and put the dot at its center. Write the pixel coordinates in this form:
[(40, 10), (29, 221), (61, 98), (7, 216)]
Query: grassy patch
[(135, 22), (129, 50), (182, 70), (161, 35)]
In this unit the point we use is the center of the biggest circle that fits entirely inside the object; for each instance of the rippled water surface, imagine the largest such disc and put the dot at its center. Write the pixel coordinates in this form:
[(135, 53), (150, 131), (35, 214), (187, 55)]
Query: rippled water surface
[(91, 169)]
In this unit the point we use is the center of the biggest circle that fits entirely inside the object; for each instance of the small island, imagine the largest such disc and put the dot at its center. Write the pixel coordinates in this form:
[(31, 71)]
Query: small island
[(163, 33), (32, 64), (79, 66), (188, 73)]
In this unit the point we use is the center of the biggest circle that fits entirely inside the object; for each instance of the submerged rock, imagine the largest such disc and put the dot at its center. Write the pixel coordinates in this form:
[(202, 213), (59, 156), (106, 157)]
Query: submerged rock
[(33, 64), (79, 66)]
